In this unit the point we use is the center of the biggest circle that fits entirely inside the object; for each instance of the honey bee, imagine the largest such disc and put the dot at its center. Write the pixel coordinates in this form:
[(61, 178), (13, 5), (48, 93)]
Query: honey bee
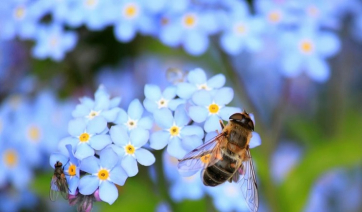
[(226, 157), (59, 183)]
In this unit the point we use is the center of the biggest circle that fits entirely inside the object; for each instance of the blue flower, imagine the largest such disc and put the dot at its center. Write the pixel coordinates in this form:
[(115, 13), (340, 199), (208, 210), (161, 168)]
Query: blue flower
[(307, 50), (104, 174), (156, 100), (210, 107), (134, 118), (86, 137), (131, 16), (197, 80), (52, 41), (129, 148), (176, 133), (102, 106)]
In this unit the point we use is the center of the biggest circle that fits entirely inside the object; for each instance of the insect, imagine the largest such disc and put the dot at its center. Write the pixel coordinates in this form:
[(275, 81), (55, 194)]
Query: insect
[(226, 157), (84, 202), (59, 183)]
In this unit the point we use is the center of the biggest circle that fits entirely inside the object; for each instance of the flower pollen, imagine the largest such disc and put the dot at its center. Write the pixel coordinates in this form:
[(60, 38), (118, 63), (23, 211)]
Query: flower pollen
[(274, 16), (174, 131), (130, 149), (103, 174), (131, 124), (92, 114), (34, 133), (213, 108), (306, 46), (240, 29), (189, 20), (84, 137), (72, 170), (91, 3), (130, 10), (19, 12), (162, 103), (10, 158), (203, 87)]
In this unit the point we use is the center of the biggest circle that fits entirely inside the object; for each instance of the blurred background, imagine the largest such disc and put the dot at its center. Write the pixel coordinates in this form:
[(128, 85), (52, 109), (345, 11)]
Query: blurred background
[(296, 65)]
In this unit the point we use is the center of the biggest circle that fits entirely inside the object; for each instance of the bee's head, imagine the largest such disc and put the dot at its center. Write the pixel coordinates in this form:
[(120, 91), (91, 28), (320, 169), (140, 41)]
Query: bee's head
[(58, 164), (243, 119)]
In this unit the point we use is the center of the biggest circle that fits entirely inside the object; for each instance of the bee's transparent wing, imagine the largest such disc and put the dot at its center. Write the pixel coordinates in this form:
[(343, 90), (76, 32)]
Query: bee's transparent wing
[(54, 190), (246, 179), (63, 188), (201, 157)]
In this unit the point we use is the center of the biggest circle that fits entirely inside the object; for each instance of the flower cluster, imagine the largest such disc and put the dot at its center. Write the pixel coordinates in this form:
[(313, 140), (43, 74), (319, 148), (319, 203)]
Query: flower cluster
[(106, 142), (309, 26)]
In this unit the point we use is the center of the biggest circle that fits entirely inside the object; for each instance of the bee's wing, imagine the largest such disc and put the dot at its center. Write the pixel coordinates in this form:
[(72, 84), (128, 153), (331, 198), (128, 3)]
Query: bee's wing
[(201, 157), (63, 188), (246, 179), (54, 190)]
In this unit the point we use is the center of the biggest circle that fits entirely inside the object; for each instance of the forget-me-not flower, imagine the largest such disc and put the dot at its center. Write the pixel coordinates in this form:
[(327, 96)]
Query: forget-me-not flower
[(176, 133), (128, 146), (155, 99), (104, 174)]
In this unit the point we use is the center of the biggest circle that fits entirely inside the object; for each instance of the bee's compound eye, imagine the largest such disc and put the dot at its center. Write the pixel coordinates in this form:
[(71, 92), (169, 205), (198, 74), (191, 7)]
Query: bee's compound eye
[(236, 116)]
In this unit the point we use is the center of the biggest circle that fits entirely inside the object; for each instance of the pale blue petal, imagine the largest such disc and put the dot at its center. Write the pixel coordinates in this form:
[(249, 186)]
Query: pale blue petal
[(317, 69), (152, 92), (76, 127), (145, 123), (80, 111), (115, 102), (124, 32), (73, 185), (196, 43), (174, 103), (159, 139), (111, 115), (150, 105), (169, 92), (328, 44), (212, 124), (163, 118), (118, 150), (129, 164), (118, 176), (216, 81), (108, 192), (88, 184), (97, 125), (135, 109), (191, 142), (224, 96), (185, 90), (192, 130), (145, 157), (57, 157), (102, 103), (139, 137), (119, 135), (202, 98), (226, 112), (198, 114), (255, 140), (83, 151), (197, 76), (291, 65), (108, 158), (90, 165), (231, 44), (122, 117), (181, 117), (68, 140), (175, 148), (98, 142)]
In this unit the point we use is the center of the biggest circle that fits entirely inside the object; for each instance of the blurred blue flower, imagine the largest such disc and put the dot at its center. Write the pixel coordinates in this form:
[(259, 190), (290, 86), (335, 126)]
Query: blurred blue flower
[(128, 147), (197, 80), (176, 133), (86, 137), (52, 41), (307, 50), (15, 201), (242, 31), (210, 107), (133, 119), (131, 16), (20, 17), (102, 106), (155, 99), (104, 173)]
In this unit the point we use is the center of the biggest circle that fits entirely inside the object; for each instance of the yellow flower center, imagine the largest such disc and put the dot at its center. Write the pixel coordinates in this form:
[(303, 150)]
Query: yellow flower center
[(205, 158), (129, 149), (53, 41), (240, 29), (19, 12), (162, 103), (214, 108), (34, 133), (93, 114), (313, 11), (274, 16), (203, 87), (175, 131), (71, 170), (84, 137), (189, 20), (91, 3), (130, 10), (103, 174), (164, 21), (306, 46), (10, 158)]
